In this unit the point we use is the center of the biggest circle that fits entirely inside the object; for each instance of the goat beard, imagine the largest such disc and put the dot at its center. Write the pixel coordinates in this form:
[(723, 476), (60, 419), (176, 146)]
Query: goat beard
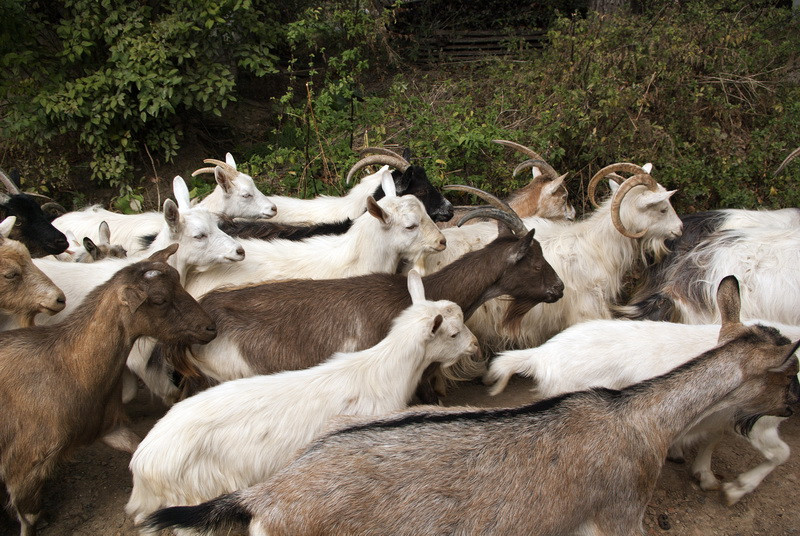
[(512, 321)]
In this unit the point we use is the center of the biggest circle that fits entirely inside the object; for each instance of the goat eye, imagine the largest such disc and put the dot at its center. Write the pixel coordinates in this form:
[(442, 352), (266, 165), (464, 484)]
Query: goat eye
[(412, 226), (12, 275), (201, 236), (247, 196), (454, 335), (158, 300)]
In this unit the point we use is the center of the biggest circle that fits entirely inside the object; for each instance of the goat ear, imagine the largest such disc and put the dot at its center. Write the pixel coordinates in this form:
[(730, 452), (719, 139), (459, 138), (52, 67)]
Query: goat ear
[(181, 192), (172, 216), (90, 246), (387, 182), (437, 323), (402, 180), (105, 233), (229, 160), (6, 225), (415, 287), (223, 180), (163, 254), (790, 364), (375, 210), (554, 184), (523, 246), (729, 303), (133, 297)]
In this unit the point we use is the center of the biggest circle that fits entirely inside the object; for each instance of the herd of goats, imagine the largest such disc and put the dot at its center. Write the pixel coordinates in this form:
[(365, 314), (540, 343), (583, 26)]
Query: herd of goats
[(290, 335)]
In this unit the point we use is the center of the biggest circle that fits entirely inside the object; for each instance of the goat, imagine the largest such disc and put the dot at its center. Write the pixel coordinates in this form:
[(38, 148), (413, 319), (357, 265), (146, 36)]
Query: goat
[(235, 195), (662, 293), (202, 244), (545, 196), (618, 353), (90, 251), (393, 229), (764, 260), (32, 227), (408, 180), (78, 364), (516, 467), (296, 324), (210, 444), (591, 256), (25, 290)]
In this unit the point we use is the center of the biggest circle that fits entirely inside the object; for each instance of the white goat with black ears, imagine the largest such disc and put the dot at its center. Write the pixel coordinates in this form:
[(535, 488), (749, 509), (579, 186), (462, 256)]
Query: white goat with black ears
[(591, 256), (392, 230), (235, 196), (242, 431)]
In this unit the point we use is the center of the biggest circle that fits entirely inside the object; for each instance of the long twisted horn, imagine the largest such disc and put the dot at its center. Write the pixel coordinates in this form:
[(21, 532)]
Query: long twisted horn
[(609, 170), (379, 150), (786, 161), (511, 219), (387, 160), (637, 180)]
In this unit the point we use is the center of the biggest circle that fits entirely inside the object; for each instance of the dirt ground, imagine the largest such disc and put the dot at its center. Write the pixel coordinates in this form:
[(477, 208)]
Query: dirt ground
[(88, 496)]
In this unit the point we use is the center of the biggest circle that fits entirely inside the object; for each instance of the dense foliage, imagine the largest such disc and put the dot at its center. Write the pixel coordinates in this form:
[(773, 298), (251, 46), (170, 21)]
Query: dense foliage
[(709, 91)]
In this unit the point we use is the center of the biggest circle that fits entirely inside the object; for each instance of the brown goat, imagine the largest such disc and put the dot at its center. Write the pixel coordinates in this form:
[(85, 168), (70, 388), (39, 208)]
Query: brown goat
[(297, 324), (25, 290), (583, 463), (60, 385)]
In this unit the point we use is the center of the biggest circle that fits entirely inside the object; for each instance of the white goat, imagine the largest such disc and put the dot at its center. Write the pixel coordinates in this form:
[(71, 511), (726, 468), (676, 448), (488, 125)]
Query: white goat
[(240, 432), (618, 353), (235, 195), (393, 229), (591, 256), (92, 250)]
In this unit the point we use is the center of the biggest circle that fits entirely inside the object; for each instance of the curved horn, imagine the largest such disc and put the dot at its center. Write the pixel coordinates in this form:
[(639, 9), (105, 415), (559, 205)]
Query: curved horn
[(380, 150), (786, 161), (609, 170), (386, 160), (546, 169), (510, 219), (10, 186), (637, 180), (486, 196), (541, 163), (53, 208), (219, 163)]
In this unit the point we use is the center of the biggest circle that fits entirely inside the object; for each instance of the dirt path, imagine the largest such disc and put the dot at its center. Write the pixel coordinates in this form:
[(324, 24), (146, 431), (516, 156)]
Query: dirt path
[(89, 494)]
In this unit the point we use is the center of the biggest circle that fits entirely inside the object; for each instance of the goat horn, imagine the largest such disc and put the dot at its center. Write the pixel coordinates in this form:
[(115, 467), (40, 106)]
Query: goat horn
[(637, 180), (534, 156), (203, 170), (380, 150), (786, 161), (10, 186), (609, 170), (511, 219), (54, 208), (397, 163), (547, 170), (486, 196)]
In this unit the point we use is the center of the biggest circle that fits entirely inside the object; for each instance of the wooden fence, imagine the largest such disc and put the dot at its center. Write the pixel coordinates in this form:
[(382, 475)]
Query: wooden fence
[(459, 45)]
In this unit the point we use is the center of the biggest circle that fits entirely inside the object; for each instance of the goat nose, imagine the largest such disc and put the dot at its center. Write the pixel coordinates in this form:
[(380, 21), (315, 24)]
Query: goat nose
[(443, 242), (240, 251)]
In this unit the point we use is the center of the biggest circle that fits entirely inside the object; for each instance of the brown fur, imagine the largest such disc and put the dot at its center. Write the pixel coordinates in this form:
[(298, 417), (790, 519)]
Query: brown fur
[(581, 463), (297, 324), (25, 290), (60, 385)]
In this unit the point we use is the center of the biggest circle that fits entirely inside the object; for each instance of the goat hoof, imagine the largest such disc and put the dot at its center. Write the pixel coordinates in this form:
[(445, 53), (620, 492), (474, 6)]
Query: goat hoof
[(708, 482), (733, 492)]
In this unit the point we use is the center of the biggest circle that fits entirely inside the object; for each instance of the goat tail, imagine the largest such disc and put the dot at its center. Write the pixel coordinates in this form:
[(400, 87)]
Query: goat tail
[(657, 307), (503, 367), (226, 511)]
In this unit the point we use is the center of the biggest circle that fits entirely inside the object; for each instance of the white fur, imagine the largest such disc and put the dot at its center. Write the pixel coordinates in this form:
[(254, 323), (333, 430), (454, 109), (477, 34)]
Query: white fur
[(239, 199), (590, 256), (618, 353), (763, 259), (325, 208), (370, 245), (238, 433)]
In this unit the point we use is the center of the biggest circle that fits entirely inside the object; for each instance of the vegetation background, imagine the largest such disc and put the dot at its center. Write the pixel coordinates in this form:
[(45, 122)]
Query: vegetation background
[(103, 101)]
